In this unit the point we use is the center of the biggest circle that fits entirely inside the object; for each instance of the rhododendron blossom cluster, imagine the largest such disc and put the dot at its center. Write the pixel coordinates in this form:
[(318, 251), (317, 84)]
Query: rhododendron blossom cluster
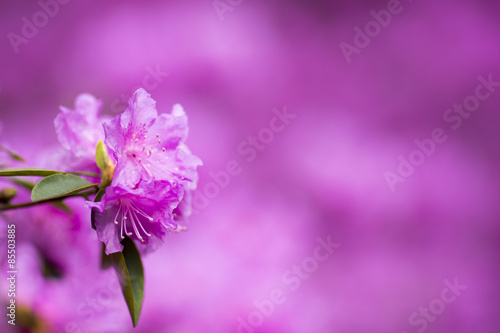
[(154, 170), (146, 175)]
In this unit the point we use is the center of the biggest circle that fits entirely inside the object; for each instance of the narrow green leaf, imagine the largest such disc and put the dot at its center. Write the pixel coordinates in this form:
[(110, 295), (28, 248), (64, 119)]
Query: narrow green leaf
[(23, 183), (12, 154), (106, 261), (84, 173), (50, 268), (59, 185), (98, 198), (27, 172), (128, 267), (62, 206), (27, 185)]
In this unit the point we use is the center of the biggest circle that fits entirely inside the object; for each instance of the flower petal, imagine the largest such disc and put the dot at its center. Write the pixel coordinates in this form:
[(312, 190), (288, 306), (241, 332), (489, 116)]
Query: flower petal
[(141, 110), (107, 231)]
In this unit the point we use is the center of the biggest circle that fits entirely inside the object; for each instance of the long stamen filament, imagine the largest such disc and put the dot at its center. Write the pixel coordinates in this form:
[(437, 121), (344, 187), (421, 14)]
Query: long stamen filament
[(130, 212), (144, 167), (118, 212), (140, 211), (139, 223), (135, 227), (125, 222)]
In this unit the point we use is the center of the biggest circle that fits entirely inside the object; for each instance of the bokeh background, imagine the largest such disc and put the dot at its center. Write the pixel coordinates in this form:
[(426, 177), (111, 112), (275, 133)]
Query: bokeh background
[(322, 176)]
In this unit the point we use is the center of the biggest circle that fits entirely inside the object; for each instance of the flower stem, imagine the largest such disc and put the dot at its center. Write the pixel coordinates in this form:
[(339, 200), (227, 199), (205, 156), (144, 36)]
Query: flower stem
[(83, 173), (41, 202)]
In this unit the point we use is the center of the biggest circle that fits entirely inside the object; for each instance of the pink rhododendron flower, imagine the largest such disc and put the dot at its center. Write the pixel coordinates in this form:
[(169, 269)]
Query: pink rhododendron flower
[(154, 173), (148, 146), (78, 132), (145, 215)]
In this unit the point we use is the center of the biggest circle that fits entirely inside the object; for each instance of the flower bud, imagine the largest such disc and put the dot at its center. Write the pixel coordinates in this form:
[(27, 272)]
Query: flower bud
[(7, 194)]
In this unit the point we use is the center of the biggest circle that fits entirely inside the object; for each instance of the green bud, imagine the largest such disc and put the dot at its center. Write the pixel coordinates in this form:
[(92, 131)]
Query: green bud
[(7, 194), (104, 164)]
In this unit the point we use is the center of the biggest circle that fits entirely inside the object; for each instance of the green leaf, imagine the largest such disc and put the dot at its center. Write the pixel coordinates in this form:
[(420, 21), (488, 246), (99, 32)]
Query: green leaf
[(27, 185), (50, 268), (62, 206), (59, 185), (16, 157), (27, 172), (128, 267), (106, 261), (23, 183), (98, 198), (83, 173), (12, 154)]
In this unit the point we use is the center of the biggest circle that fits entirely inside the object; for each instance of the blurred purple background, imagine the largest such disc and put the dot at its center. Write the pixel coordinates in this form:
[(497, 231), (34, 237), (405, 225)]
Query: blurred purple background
[(322, 175)]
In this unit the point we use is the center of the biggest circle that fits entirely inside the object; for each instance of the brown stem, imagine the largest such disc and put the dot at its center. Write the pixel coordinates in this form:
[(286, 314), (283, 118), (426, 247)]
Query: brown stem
[(35, 203)]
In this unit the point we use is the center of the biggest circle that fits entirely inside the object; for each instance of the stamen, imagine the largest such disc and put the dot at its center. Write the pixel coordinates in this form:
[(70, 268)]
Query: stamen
[(135, 228), (125, 222), (116, 222), (159, 140), (139, 223), (140, 211), (121, 229), (180, 228), (164, 149), (147, 171), (118, 212), (157, 135)]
